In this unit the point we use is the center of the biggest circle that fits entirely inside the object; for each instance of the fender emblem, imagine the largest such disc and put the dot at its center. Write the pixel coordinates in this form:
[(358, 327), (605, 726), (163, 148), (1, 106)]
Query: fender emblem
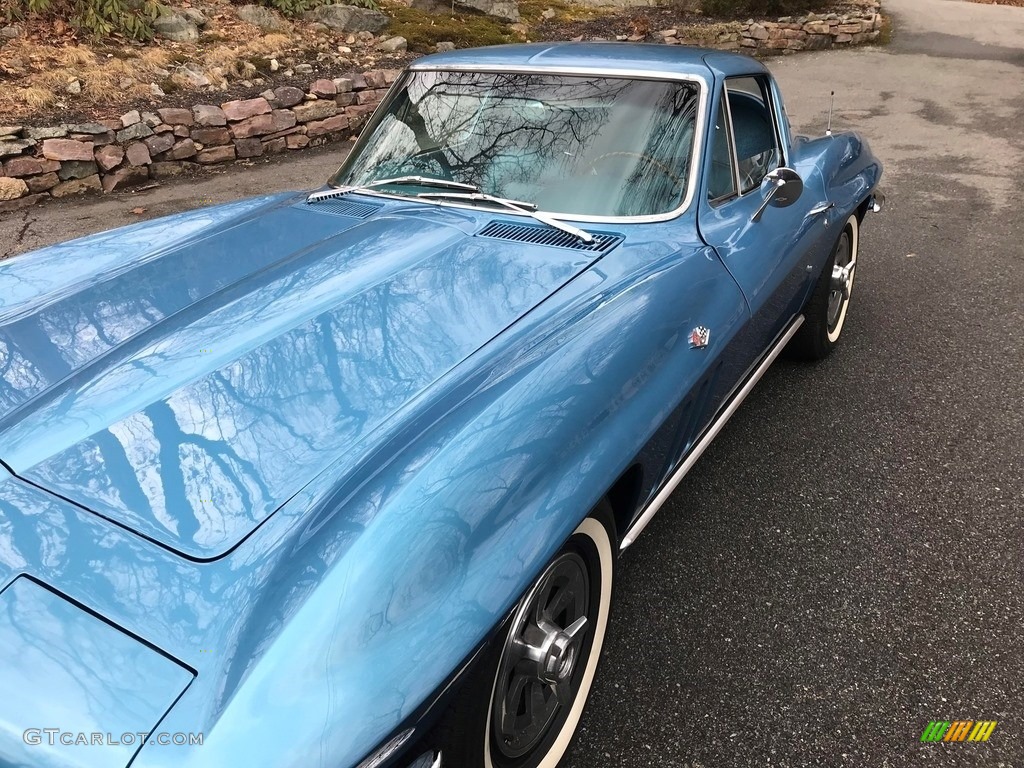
[(699, 337)]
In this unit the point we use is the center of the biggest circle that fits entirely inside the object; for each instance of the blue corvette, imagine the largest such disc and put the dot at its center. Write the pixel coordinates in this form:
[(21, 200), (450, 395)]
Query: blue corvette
[(339, 479)]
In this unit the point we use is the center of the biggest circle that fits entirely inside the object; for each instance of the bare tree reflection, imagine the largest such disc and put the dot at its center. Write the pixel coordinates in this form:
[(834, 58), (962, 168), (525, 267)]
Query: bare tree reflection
[(591, 145), (316, 351)]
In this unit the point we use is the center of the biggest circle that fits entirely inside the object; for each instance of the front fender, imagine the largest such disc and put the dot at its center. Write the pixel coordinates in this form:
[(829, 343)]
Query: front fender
[(421, 555)]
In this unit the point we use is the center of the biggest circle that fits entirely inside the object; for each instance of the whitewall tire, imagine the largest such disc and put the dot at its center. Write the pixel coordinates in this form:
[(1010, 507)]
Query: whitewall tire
[(524, 702), (826, 310)]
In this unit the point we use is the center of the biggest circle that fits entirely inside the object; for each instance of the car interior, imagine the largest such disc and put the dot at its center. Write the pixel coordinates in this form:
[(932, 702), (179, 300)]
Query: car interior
[(753, 135)]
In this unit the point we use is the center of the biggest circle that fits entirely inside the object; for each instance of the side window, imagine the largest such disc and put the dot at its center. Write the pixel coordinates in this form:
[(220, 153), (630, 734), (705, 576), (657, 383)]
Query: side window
[(757, 146), (721, 181)]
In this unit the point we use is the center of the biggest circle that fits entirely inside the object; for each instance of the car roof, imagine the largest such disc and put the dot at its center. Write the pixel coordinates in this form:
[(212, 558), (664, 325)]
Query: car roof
[(630, 58)]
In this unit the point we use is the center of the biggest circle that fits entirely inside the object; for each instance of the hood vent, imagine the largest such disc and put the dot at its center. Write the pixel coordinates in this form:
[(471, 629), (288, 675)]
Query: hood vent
[(342, 207), (526, 233)]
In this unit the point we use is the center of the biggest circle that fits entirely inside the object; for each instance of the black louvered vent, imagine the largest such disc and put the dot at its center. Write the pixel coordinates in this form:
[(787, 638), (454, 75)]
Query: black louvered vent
[(340, 206), (526, 233)]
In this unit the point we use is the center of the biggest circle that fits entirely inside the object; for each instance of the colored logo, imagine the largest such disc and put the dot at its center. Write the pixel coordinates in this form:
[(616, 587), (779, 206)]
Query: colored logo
[(958, 730), (699, 337)]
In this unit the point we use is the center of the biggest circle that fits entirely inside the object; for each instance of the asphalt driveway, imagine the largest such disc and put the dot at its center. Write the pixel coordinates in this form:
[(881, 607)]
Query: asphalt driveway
[(846, 563)]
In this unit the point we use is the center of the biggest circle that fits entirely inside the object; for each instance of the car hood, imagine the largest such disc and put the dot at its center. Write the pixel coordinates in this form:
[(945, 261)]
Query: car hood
[(185, 377)]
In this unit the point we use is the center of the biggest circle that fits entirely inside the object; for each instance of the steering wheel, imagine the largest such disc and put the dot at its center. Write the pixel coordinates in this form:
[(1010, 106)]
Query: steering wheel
[(656, 163), (428, 162)]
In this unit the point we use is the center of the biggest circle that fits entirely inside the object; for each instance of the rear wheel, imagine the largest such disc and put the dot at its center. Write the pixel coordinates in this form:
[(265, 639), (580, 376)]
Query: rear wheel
[(524, 701), (825, 312)]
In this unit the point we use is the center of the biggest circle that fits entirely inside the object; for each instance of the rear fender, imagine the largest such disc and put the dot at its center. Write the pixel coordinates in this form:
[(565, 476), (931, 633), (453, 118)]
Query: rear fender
[(849, 169)]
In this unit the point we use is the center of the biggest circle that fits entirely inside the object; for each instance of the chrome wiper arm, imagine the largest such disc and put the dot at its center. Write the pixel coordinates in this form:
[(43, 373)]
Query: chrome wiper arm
[(421, 181), (514, 205)]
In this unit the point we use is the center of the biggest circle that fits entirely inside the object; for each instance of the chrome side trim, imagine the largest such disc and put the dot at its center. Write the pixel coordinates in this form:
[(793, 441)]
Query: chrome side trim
[(712, 432), (628, 74), (389, 748)]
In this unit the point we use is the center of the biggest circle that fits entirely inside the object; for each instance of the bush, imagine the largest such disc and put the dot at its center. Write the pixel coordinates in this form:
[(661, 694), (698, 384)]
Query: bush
[(132, 18), (423, 30), (743, 9)]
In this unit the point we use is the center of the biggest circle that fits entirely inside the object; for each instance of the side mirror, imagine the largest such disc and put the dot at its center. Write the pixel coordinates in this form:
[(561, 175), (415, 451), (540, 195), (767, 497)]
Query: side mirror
[(784, 188)]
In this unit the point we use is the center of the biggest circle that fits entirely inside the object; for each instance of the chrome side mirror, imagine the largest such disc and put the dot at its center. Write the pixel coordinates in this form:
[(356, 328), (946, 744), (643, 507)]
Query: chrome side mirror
[(784, 188)]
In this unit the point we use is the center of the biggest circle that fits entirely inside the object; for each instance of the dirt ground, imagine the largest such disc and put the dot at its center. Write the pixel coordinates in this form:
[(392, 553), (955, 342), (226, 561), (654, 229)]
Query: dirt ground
[(51, 74)]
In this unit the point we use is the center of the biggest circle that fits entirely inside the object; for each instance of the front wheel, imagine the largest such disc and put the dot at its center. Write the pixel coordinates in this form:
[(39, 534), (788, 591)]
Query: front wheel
[(825, 312), (523, 703)]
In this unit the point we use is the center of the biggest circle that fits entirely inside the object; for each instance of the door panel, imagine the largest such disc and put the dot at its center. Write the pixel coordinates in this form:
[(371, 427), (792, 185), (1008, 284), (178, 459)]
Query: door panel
[(768, 258)]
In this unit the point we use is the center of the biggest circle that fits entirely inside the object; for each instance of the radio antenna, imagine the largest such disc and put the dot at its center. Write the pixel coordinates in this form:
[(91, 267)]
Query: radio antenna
[(831, 102)]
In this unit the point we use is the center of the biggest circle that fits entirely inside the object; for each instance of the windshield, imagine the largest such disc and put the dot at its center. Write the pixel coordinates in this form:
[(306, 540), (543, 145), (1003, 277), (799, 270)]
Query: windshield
[(569, 144)]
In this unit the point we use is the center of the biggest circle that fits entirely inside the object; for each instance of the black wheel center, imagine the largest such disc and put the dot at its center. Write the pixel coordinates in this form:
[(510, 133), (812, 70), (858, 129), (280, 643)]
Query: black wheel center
[(539, 660)]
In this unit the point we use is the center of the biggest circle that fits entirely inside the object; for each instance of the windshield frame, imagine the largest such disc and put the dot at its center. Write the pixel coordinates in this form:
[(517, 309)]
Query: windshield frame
[(695, 164)]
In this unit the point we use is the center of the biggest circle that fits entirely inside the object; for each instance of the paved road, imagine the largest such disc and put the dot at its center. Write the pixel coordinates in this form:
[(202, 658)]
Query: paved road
[(56, 221), (846, 563)]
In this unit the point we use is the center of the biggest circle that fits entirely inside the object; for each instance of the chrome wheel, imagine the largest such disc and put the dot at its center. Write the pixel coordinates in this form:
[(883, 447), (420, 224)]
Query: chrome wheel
[(829, 303), (842, 280), (526, 689), (536, 677)]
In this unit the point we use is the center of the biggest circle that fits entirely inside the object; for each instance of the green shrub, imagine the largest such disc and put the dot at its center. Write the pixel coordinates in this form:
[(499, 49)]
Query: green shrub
[(423, 30), (132, 18), (743, 9)]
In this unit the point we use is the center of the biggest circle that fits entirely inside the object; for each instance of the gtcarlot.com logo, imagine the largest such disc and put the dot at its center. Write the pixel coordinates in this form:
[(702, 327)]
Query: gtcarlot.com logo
[(54, 736), (958, 730)]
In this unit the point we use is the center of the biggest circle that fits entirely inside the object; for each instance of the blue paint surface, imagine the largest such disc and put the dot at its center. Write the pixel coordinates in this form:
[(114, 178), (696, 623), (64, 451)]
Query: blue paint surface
[(65, 669), (317, 457)]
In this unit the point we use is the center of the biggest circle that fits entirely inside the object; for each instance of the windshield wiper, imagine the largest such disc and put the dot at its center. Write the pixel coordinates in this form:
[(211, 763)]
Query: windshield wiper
[(513, 205), (419, 181), (471, 193)]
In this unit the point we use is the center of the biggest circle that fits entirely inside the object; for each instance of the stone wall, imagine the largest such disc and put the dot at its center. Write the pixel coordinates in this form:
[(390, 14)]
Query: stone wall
[(63, 160), (139, 148), (813, 31), (788, 34)]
